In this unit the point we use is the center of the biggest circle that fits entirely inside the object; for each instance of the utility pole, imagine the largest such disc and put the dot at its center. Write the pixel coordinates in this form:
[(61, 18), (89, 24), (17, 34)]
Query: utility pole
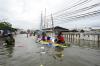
[(52, 23), (41, 24), (45, 21)]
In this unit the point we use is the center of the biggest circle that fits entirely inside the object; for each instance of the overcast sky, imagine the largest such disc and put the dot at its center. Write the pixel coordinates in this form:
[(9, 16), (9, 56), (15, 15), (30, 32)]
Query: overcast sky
[(26, 13)]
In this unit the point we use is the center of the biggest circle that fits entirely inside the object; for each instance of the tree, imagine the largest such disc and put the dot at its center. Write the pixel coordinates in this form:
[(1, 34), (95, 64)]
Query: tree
[(5, 25)]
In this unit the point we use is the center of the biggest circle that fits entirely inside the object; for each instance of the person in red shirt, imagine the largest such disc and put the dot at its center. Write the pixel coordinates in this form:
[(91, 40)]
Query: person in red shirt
[(60, 39)]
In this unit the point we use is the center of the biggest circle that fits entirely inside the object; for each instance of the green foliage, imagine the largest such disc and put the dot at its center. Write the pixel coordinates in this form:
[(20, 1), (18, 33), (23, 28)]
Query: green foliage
[(5, 25)]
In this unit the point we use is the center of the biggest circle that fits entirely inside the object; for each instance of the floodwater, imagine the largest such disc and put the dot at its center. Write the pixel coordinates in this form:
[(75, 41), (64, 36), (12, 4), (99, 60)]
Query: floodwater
[(26, 52)]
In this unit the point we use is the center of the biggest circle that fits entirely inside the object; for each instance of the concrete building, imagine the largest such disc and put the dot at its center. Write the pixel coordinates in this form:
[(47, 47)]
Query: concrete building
[(95, 36), (72, 35)]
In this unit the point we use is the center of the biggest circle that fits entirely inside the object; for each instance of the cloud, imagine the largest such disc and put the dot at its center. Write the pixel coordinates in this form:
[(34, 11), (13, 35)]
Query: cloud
[(20, 11), (27, 13)]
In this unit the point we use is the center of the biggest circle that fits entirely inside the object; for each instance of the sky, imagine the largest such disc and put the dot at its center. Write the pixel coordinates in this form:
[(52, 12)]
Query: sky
[(26, 14)]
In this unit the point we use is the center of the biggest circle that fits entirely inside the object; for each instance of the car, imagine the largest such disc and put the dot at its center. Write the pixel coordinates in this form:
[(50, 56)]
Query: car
[(8, 37), (1, 33)]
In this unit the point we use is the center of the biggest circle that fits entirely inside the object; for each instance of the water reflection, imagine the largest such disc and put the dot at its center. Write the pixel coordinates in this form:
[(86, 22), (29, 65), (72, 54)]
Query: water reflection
[(86, 43), (58, 54), (9, 50), (89, 44), (5, 53)]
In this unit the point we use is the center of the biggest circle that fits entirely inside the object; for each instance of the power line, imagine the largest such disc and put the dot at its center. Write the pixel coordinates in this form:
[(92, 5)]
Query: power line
[(83, 14), (77, 4), (66, 20), (71, 18), (83, 9), (80, 10), (79, 16)]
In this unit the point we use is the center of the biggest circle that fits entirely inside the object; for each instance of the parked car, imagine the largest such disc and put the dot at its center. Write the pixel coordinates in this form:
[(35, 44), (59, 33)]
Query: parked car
[(1, 33), (8, 37)]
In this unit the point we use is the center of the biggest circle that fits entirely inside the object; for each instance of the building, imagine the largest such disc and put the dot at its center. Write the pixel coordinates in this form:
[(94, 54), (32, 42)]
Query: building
[(72, 35), (95, 36), (56, 29)]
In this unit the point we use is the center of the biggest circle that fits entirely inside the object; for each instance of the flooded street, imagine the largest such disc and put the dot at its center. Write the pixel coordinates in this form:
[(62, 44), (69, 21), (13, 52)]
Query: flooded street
[(28, 53)]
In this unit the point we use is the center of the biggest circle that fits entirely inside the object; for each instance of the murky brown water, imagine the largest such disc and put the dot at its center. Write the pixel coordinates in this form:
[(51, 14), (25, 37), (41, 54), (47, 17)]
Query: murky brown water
[(28, 53), (87, 44)]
